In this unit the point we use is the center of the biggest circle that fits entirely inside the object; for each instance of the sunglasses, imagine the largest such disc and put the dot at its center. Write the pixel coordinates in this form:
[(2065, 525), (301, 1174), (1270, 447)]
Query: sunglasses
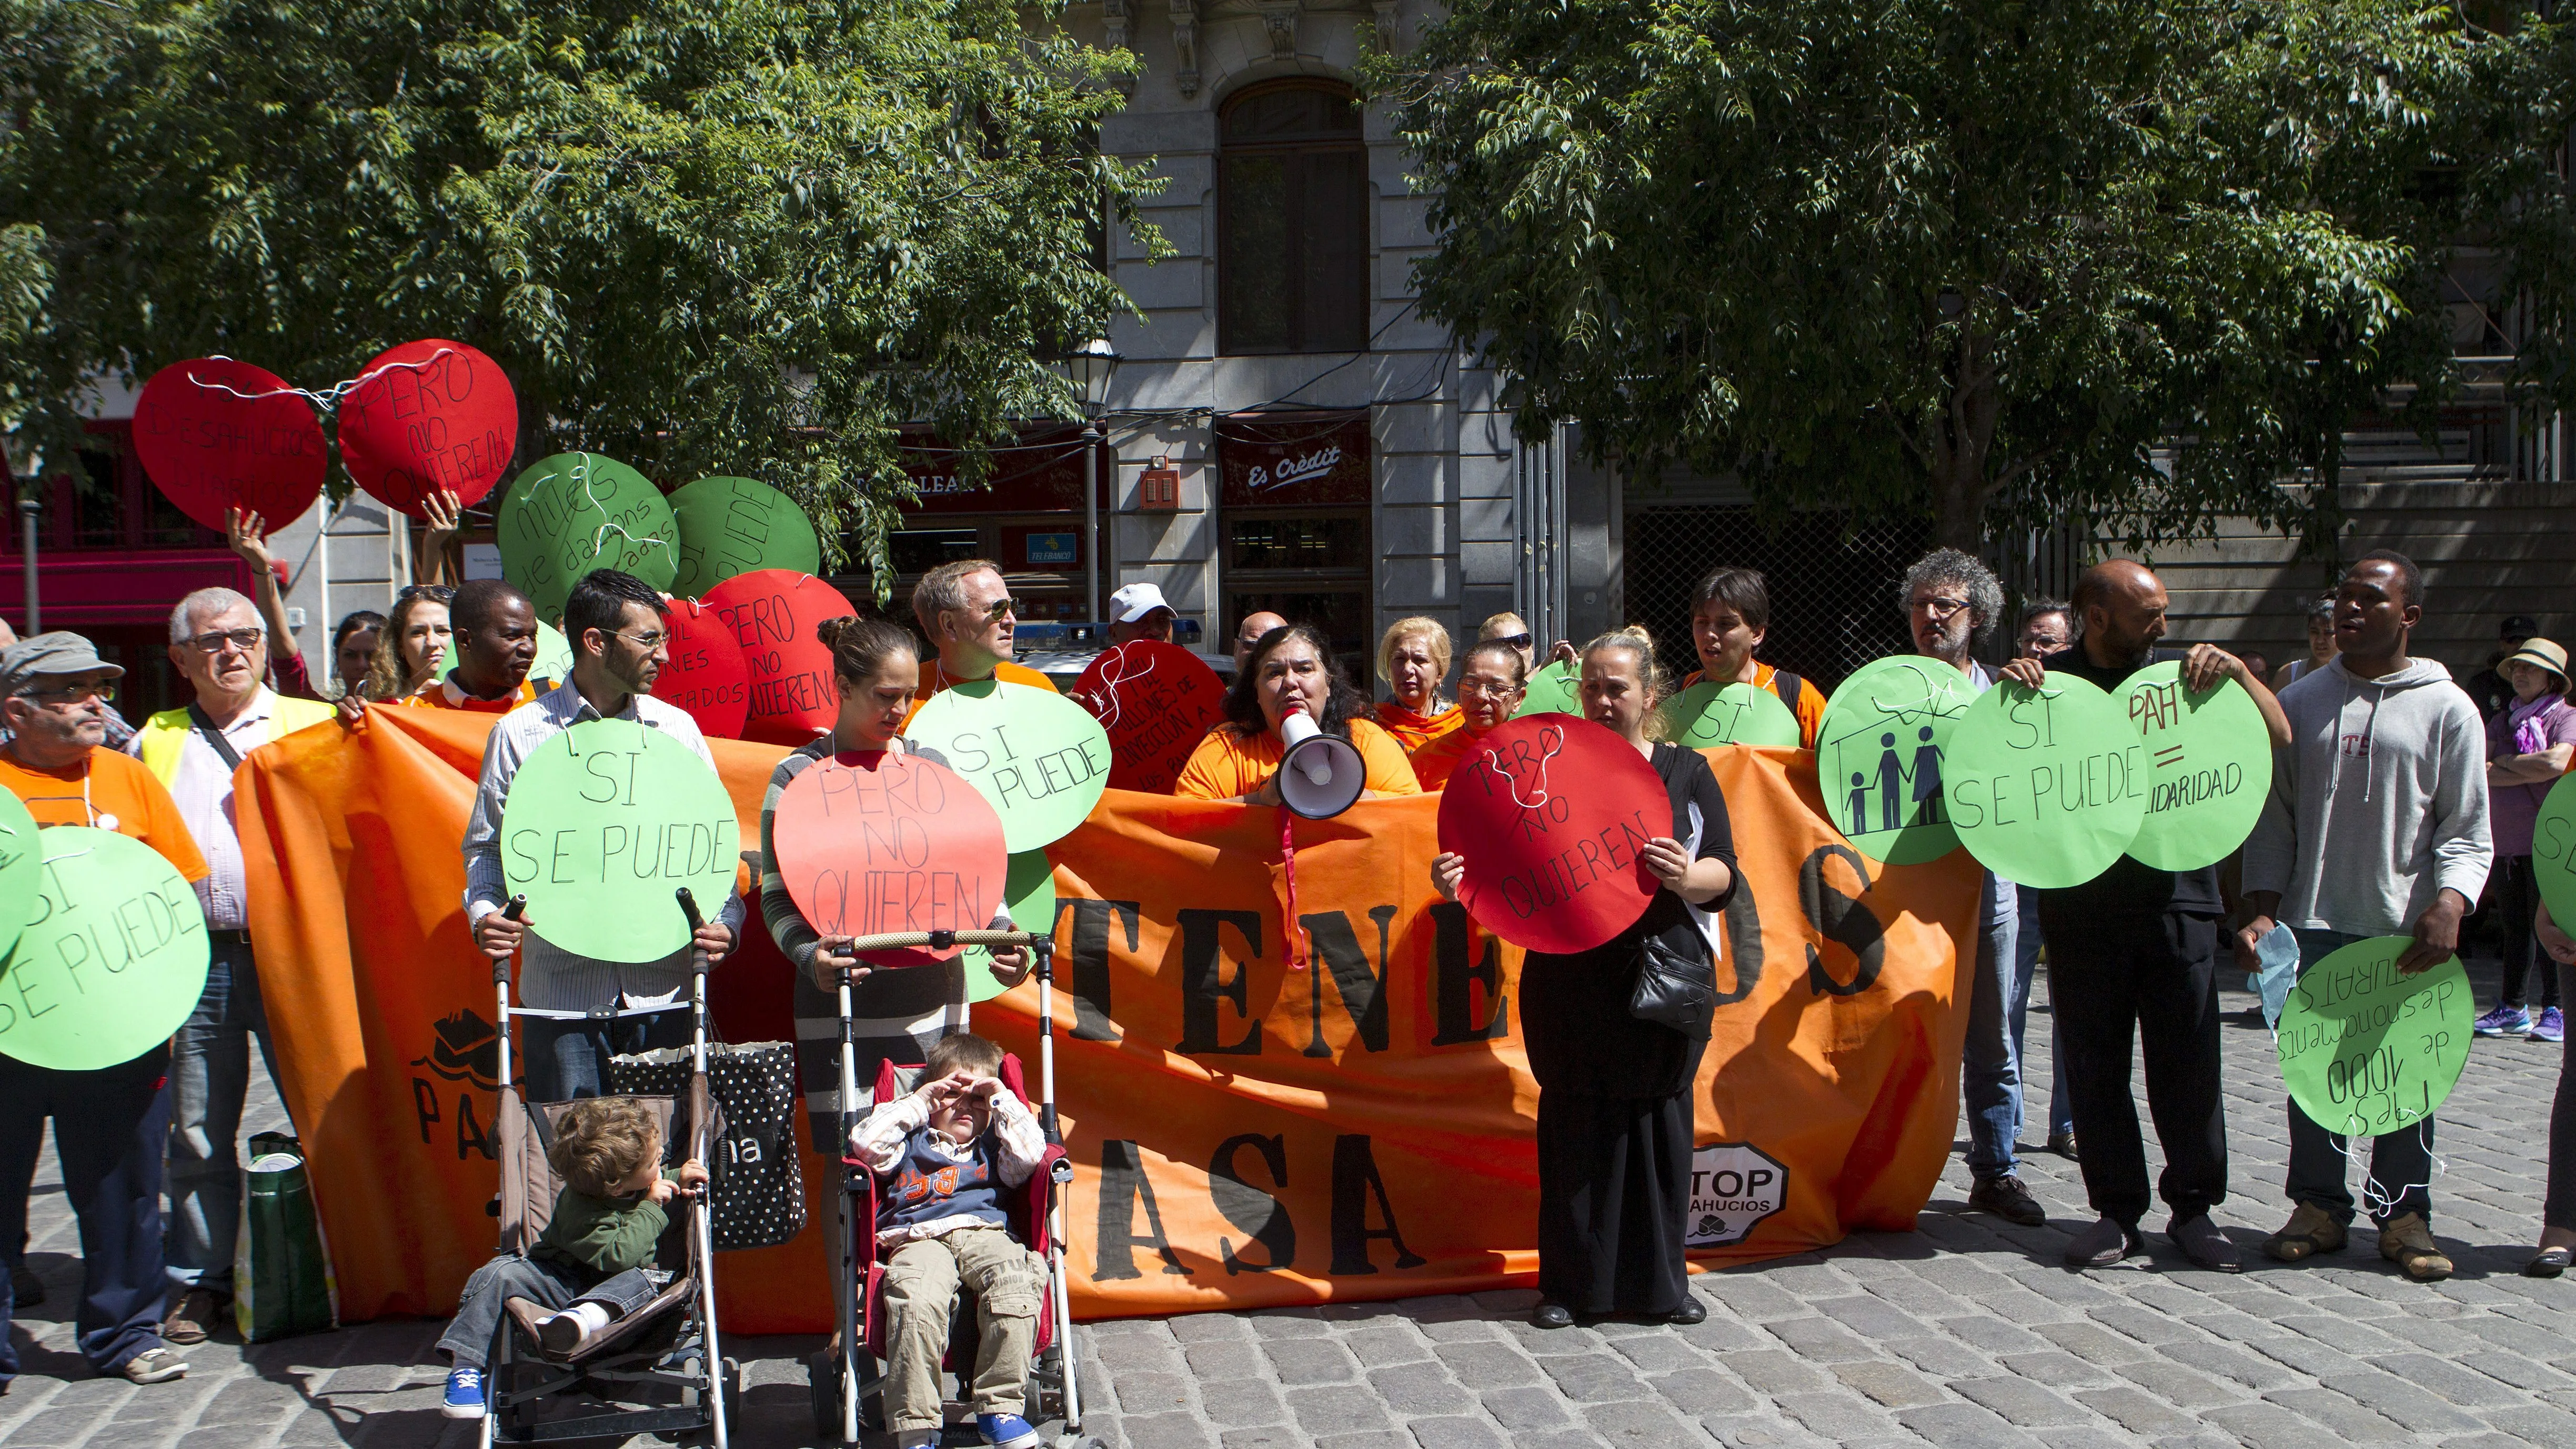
[(994, 611), (1516, 641), (222, 639), (98, 689), (435, 593)]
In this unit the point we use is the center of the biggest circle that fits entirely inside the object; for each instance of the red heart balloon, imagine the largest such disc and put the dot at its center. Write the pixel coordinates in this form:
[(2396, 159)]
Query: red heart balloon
[(873, 842), (773, 613), (428, 415), (707, 675), (215, 434), (1156, 700), (1549, 811)]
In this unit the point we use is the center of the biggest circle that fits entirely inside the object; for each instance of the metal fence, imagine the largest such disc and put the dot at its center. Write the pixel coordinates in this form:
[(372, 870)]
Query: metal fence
[(1832, 584)]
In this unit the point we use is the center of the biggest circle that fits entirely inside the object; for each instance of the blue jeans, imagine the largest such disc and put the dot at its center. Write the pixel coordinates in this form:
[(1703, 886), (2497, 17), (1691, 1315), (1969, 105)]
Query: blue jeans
[(569, 1059), (2401, 1162), (1990, 1074), (209, 1072), (110, 1127), (2027, 940), (548, 1285)]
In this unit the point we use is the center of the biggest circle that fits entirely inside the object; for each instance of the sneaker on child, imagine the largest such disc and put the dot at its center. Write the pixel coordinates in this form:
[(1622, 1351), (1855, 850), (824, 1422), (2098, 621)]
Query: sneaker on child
[(1006, 1431), (2550, 1027), (464, 1393), (2503, 1021)]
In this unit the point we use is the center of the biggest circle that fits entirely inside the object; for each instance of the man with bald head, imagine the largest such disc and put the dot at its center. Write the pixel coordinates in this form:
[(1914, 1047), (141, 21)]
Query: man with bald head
[(2133, 953), (1249, 632)]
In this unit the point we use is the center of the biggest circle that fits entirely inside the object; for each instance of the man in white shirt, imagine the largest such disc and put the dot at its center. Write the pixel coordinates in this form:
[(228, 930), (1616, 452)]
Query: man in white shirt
[(219, 644), (619, 644)]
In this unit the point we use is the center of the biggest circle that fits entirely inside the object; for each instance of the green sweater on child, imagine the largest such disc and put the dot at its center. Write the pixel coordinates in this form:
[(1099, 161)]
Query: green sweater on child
[(601, 1236)]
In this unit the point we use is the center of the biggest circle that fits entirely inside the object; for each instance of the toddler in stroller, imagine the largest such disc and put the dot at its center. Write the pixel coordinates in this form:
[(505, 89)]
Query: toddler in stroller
[(947, 1151)]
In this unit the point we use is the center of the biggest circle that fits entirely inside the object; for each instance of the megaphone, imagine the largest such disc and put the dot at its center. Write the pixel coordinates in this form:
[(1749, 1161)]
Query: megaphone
[(1320, 776)]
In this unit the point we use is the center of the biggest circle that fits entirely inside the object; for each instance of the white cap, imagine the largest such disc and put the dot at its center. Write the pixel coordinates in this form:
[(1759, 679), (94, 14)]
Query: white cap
[(1134, 602)]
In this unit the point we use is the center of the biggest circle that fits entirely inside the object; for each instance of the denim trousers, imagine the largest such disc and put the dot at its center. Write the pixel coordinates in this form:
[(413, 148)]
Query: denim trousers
[(2401, 1162), (209, 1072), (2027, 940), (569, 1059), (110, 1128), (549, 1285), (1990, 1071)]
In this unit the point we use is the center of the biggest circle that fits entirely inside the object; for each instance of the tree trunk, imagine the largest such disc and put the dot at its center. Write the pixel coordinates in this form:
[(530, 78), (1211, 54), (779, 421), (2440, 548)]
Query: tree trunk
[(1960, 458)]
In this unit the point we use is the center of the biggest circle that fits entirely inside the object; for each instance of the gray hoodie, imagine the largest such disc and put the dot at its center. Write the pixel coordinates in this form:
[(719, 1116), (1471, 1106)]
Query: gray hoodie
[(2378, 801)]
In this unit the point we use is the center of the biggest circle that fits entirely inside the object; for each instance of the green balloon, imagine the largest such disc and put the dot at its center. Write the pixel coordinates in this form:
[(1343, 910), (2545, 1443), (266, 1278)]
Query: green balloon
[(732, 526), (2553, 851), (1709, 714), (1555, 689), (552, 664), (2366, 1051), (2045, 786), (1878, 757), (1039, 757), (2207, 764), (604, 822), (575, 512), (113, 959), (1029, 890), (22, 868)]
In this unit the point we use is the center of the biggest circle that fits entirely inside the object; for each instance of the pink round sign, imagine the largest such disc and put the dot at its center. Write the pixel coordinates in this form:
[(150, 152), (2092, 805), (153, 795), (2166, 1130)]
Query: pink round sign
[(772, 613), (215, 434), (429, 415), (1549, 811), (707, 675)]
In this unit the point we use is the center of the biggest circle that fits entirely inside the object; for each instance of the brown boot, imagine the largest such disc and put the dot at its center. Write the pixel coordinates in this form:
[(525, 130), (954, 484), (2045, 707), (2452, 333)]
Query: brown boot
[(2311, 1230), (2407, 1241)]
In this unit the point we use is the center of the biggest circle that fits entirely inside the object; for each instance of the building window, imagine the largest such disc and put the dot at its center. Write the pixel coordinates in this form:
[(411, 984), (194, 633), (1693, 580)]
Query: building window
[(1292, 221), (1294, 491)]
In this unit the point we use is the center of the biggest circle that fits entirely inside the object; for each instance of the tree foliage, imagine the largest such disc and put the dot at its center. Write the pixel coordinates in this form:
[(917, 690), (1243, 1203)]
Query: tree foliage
[(736, 236), (1987, 260)]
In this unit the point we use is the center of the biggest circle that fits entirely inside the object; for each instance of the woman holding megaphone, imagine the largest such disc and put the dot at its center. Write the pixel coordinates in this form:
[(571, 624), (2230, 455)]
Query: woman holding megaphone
[(1288, 692), (1615, 1119)]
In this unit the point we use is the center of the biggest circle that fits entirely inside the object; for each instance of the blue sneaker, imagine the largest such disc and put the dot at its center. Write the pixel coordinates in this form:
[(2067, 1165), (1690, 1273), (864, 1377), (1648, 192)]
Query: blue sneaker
[(1006, 1431), (464, 1393), (2503, 1021), (2551, 1026)]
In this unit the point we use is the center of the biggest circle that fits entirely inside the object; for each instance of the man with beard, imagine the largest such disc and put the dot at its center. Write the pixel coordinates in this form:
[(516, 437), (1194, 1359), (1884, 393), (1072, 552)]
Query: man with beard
[(2134, 953)]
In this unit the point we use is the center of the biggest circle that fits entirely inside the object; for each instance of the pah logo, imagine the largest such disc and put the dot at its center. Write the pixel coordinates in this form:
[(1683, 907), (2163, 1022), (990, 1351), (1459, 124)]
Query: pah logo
[(1734, 1185), (464, 1050)]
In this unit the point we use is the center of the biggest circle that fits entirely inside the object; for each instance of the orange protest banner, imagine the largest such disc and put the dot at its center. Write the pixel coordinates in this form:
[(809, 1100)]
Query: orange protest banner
[(1244, 1134)]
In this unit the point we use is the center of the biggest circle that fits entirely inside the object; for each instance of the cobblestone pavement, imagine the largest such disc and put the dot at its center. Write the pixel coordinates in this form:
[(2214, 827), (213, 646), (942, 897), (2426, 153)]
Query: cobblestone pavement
[(1964, 1333)]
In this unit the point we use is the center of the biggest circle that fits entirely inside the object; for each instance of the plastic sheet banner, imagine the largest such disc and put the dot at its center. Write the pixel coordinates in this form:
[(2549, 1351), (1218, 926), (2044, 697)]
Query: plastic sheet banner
[(1244, 1134)]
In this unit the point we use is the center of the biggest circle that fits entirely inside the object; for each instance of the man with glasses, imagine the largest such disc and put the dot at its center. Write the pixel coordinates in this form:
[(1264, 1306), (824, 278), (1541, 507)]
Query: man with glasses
[(496, 644), (111, 1125), (1950, 602), (619, 646), (967, 613), (217, 642)]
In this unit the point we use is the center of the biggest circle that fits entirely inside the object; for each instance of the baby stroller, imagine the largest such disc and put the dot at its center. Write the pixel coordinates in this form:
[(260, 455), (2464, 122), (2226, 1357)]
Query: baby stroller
[(668, 1349), (846, 1376)]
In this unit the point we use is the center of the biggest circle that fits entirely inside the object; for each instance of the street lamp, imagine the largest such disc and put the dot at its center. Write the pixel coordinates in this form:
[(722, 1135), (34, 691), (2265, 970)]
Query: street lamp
[(1089, 368)]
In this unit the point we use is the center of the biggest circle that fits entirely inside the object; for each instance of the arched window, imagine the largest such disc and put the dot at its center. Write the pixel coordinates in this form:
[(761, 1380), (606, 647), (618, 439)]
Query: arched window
[(1292, 221)]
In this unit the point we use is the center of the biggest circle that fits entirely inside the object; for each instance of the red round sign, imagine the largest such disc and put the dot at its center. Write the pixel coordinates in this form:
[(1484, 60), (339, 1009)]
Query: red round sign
[(707, 675), (428, 415), (1156, 700), (1549, 811), (216, 434), (876, 842), (773, 613)]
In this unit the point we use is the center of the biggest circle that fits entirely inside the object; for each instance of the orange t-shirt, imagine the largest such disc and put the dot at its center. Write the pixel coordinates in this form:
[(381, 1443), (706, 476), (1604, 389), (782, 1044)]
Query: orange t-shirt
[(1412, 730), (1226, 766), (443, 694), (1810, 707), (934, 679), (108, 784), (1435, 762)]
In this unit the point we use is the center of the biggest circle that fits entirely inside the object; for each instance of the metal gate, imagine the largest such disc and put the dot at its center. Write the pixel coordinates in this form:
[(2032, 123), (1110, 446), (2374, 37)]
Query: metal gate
[(1832, 584)]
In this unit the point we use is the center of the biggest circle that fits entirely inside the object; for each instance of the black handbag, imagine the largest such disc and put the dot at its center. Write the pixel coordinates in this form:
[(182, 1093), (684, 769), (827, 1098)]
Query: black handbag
[(758, 1187), (1677, 980)]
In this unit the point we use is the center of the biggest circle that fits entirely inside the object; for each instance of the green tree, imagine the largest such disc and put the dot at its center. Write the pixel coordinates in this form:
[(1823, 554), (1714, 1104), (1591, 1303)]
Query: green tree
[(737, 236), (1983, 260)]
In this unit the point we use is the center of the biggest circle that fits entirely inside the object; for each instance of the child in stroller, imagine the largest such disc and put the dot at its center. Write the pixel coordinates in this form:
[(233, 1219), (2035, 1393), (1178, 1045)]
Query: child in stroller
[(591, 1264), (947, 1150)]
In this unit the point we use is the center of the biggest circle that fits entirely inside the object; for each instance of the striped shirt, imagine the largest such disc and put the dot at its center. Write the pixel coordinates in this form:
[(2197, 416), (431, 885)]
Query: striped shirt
[(551, 978)]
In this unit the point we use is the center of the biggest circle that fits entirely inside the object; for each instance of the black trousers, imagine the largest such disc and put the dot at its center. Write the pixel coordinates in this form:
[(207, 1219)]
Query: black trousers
[(2151, 977), (2517, 900), (2558, 1209), (1614, 1177)]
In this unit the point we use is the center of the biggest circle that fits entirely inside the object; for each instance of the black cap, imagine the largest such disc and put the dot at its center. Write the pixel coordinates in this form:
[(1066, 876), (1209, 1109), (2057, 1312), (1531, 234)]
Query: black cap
[(2520, 626)]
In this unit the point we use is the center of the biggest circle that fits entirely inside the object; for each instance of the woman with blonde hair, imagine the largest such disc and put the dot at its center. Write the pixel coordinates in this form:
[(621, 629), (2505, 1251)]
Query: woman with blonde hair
[(1413, 659), (414, 640)]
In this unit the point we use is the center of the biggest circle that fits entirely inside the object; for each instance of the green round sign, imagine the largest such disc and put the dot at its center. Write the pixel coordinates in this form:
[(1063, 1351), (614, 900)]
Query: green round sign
[(2205, 762), (1555, 689), (22, 868), (575, 512), (2367, 1051), (553, 664), (603, 823), (1709, 714), (2043, 784), (2553, 851), (112, 958), (1039, 757), (1878, 757), (1029, 890), (732, 526)]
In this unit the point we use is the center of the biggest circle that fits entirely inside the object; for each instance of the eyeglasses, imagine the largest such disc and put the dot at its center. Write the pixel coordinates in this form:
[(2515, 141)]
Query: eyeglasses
[(1516, 641), (1940, 608), (435, 593), (75, 693), (646, 642), (1470, 684), (994, 611), (222, 639)]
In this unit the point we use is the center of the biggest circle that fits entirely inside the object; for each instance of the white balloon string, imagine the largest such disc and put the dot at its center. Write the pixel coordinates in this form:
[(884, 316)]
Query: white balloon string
[(1113, 673), (327, 400), (1510, 788), (599, 536), (2375, 1198)]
